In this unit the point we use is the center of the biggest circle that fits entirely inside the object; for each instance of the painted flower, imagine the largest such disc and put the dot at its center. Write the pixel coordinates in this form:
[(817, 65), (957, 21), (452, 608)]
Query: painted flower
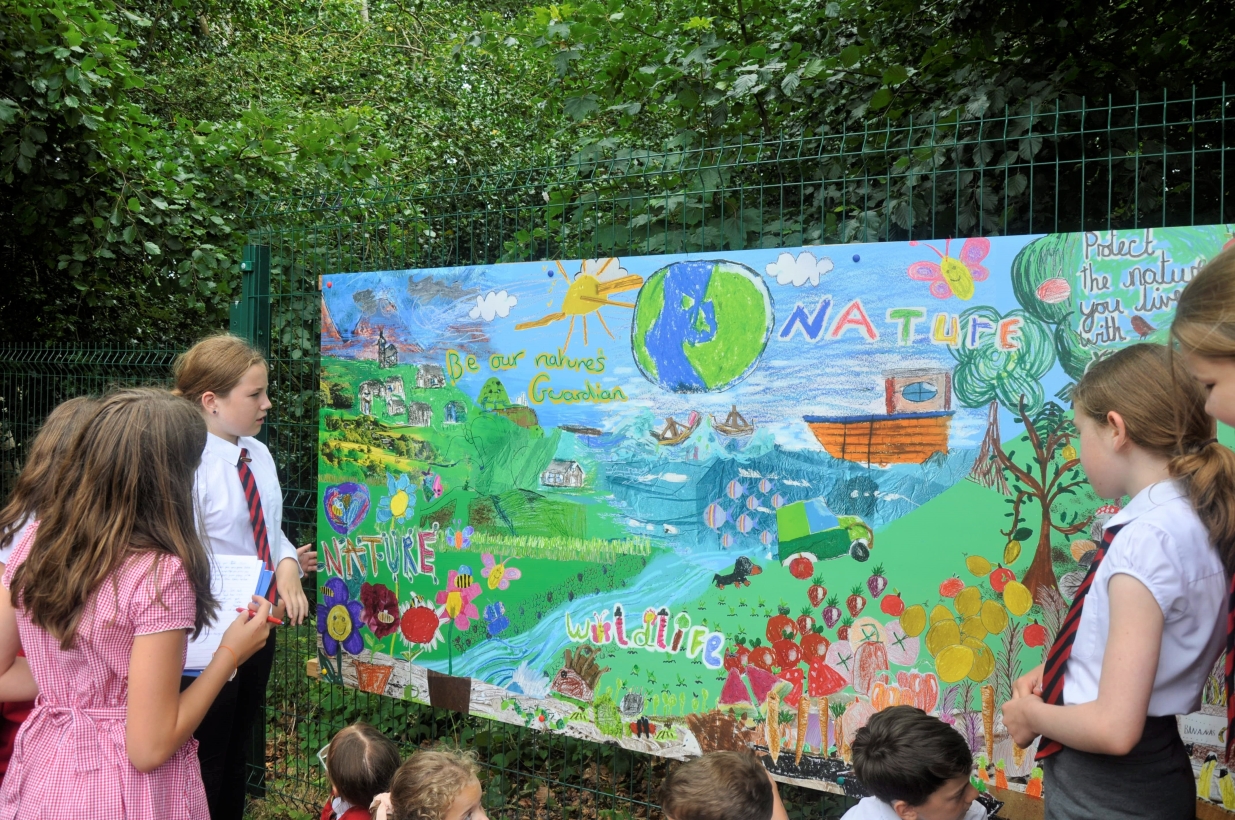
[(460, 590), (399, 501), (460, 539), (421, 624), (337, 617), (381, 609)]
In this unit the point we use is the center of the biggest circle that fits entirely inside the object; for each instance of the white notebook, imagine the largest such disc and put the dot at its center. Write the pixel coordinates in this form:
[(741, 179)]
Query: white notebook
[(233, 579)]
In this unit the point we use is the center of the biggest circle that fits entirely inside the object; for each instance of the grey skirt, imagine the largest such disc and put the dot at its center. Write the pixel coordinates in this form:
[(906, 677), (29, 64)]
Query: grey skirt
[(1154, 781)]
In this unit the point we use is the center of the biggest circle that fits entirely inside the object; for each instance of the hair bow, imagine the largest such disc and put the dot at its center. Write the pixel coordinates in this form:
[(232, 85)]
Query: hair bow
[(380, 807)]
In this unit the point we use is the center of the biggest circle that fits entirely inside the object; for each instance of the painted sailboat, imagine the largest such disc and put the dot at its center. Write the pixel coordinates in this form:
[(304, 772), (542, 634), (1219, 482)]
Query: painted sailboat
[(915, 426), (675, 432), (735, 425)]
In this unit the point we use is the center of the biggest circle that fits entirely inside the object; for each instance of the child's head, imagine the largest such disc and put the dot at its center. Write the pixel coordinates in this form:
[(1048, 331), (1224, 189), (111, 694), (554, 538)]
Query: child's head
[(225, 378), (1204, 330), (360, 763), (718, 786), (1142, 397), (915, 763), (43, 461), (126, 485), (437, 785)]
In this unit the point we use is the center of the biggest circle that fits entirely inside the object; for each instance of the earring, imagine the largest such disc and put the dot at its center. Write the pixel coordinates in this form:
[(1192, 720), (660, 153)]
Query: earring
[(216, 412)]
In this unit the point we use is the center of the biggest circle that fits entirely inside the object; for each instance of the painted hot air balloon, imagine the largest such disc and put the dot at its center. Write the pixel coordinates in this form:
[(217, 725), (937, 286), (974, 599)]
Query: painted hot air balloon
[(734, 489)]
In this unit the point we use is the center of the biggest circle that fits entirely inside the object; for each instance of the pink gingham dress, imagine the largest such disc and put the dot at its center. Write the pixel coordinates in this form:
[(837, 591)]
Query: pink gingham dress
[(69, 759)]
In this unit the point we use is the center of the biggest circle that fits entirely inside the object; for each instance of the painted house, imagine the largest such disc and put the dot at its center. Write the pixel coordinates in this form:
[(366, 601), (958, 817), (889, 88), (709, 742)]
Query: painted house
[(367, 392), (455, 413), (396, 406), (419, 414), (562, 474), (394, 388), (430, 376)]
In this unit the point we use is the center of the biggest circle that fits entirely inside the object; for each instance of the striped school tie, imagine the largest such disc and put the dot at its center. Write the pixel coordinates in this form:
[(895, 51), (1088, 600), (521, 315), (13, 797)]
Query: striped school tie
[(1061, 649), (256, 519)]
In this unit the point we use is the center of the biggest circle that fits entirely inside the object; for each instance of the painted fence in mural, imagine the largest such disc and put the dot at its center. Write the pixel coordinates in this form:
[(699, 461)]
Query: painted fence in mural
[(731, 500)]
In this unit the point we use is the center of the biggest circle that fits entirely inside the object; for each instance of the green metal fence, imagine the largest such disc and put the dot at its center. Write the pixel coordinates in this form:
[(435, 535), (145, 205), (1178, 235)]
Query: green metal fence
[(1065, 167)]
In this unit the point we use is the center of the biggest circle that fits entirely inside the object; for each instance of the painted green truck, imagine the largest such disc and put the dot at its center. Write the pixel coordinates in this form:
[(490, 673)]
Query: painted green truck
[(809, 528)]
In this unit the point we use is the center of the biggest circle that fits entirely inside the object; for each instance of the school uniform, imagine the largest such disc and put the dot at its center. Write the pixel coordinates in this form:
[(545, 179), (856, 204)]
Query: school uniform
[(872, 808), (339, 809), (1160, 541), (224, 517), (12, 715)]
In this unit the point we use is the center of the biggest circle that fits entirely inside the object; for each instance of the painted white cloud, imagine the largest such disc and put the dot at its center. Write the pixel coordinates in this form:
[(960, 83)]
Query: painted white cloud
[(797, 272), (492, 305)]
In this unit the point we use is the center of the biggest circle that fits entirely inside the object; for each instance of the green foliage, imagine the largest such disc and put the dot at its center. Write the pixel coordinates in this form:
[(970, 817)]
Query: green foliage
[(989, 373)]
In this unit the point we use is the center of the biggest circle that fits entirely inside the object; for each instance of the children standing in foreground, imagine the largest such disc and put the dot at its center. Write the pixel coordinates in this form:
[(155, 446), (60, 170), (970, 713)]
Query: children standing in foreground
[(103, 598), (17, 519), (433, 785), (1144, 628), (721, 786), (359, 765), (241, 507), (916, 767)]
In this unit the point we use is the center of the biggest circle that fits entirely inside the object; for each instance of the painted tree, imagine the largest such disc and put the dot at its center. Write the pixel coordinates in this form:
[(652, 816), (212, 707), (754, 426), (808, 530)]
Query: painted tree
[(994, 376), (990, 375), (1046, 476)]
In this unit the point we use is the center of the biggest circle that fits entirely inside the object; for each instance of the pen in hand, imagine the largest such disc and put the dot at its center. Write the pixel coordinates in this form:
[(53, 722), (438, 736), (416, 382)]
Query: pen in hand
[(269, 620)]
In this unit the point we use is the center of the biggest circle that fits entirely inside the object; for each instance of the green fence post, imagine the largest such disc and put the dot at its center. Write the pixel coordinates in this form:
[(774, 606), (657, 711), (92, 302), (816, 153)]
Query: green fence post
[(250, 318), (256, 296)]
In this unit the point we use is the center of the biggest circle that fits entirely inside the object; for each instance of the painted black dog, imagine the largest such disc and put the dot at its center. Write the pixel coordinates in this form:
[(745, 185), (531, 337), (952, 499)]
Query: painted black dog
[(739, 577)]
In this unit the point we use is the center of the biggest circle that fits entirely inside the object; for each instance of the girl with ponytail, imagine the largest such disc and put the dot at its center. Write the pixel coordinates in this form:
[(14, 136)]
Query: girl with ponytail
[(1149, 620)]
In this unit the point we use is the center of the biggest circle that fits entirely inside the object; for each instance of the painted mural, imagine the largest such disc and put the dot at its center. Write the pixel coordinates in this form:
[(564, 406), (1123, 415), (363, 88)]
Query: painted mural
[(733, 500)]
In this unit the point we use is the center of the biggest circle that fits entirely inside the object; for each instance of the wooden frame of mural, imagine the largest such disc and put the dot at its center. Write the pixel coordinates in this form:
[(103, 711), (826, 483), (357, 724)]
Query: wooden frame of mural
[(733, 500)]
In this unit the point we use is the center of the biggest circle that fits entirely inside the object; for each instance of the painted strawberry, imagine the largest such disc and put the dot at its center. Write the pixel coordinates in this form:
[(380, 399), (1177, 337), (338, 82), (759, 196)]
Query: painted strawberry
[(1000, 576), (732, 661), (855, 603), (806, 621), (822, 680), (763, 657), (842, 634), (817, 592), (1035, 634), (801, 567), (831, 613), (815, 644), (780, 622), (893, 604), (788, 653), (741, 650), (877, 583), (951, 587)]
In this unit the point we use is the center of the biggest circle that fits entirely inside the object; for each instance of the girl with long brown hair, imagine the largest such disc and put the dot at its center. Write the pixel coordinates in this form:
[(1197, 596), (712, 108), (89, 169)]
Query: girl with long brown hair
[(17, 520), (240, 505), (103, 599), (434, 784), (1145, 627)]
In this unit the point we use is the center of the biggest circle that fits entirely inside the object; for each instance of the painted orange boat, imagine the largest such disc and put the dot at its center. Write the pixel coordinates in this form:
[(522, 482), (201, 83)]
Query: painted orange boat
[(915, 427)]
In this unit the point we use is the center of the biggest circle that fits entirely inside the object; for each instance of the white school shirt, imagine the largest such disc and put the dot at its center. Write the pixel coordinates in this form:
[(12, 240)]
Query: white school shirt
[(6, 549), (221, 506), (872, 808), (1164, 545)]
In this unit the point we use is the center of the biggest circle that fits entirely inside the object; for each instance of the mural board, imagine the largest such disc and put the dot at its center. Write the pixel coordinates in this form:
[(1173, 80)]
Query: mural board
[(732, 500)]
